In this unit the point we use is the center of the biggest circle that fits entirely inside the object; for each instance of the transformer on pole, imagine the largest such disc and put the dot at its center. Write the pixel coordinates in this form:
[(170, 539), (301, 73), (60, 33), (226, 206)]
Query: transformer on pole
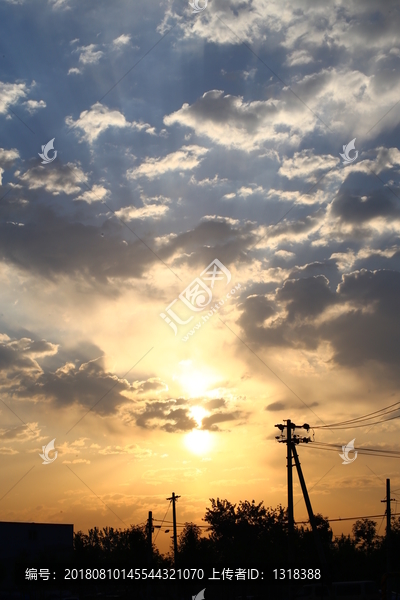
[(291, 442)]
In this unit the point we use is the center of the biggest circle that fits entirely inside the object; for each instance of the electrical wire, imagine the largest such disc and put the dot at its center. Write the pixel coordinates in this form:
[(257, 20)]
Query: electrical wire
[(180, 523), (363, 452), (349, 518), (379, 450), (364, 425), (367, 417), (162, 520), (383, 518)]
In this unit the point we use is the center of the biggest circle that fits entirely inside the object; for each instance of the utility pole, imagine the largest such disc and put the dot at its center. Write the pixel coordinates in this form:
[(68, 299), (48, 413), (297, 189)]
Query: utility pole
[(388, 500), (150, 530), (174, 498), (291, 450), (320, 549), (290, 489)]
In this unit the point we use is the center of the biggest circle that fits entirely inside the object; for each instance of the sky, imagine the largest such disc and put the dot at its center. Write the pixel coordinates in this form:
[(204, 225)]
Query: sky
[(209, 245)]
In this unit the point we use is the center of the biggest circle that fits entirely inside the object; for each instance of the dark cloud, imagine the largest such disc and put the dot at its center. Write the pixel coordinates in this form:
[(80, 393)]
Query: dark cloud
[(53, 246), (210, 422), (326, 267), (365, 327), (83, 384), (151, 385), (215, 403), (164, 415), (305, 297), (18, 357), (275, 406), (360, 208)]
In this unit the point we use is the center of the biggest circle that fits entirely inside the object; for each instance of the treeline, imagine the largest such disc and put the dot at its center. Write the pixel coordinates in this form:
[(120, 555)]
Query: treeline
[(249, 534)]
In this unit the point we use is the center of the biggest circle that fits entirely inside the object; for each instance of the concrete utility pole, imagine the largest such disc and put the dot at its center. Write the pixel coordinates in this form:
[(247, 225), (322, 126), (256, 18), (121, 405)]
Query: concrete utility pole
[(320, 549), (388, 500), (174, 498), (290, 489), (150, 530)]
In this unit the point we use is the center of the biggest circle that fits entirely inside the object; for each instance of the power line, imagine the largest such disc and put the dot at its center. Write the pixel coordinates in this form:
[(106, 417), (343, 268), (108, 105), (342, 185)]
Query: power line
[(363, 451), (396, 452), (381, 412), (351, 518), (161, 522)]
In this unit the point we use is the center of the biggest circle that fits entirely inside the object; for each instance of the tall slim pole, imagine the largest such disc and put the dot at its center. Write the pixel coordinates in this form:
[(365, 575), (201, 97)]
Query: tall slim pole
[(388, 526), (386, 579), (149, 537), (290, 489), (320, 549), (174, 498)]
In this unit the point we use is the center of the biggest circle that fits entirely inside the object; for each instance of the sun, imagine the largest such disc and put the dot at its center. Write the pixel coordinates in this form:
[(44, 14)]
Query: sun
[(198, 441), (198, 413), (194, 383)]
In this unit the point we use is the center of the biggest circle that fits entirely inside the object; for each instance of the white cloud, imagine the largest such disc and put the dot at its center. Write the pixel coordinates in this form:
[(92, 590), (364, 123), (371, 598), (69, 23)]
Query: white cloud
[(187, 158), (74, 71), (230, 121), (33, 105), (96, 120), (10, 93), (88, 54), (122, 40), (306, 164), (96, 194), (149, 210), (65, 178)]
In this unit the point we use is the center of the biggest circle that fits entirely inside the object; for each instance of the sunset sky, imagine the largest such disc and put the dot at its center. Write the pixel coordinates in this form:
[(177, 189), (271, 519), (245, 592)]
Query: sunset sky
[(183, 138)]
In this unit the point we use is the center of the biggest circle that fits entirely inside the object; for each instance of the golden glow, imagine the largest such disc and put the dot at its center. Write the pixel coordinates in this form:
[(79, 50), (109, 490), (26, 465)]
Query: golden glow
[(198, 441), (198, 413), (194, 383)]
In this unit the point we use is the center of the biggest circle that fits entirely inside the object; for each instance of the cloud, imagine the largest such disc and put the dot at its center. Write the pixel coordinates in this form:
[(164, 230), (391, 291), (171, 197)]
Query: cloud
[(22, 433), (95, 121), (96, 194), (134, 449), (88, 54), (99, 118), (173, 415), (153, 208), (122, 40), (359, 320), (185, 159), (83, 385), (210, 422), (227, 120), (9, 451), (275, 406), (55, 180), (7, 159), (356, 208), (33, 106), (165, 415), (20, 356), (306, 165), (80, 251), (10, 93)]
